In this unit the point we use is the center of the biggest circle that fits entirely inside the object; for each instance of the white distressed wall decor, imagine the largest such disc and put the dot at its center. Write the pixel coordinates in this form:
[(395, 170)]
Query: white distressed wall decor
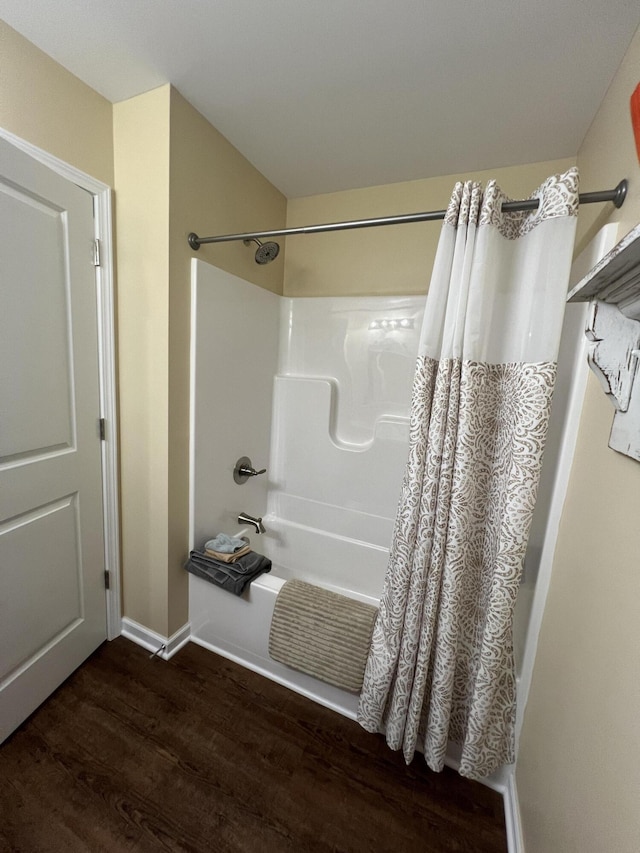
[(613, 330)]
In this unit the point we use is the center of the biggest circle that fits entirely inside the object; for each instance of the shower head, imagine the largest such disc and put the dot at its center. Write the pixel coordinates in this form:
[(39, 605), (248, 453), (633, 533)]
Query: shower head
[(266, 252)]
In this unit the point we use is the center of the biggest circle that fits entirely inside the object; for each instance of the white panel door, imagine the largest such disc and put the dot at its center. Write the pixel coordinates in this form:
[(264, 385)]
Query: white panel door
[(52, 595)]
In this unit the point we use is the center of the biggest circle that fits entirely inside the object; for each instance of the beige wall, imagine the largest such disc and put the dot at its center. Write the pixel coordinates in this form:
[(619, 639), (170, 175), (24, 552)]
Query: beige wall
[(174, 173), (141, 148), (215, 190), (392, 259), (40, 101), (578, 772)]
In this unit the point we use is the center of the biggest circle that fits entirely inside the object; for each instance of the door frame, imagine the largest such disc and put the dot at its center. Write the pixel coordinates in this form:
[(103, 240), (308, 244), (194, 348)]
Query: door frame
[(103, 231)]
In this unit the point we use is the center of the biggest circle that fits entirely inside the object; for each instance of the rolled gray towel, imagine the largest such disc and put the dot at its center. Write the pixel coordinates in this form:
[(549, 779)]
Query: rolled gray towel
[(233, 577)]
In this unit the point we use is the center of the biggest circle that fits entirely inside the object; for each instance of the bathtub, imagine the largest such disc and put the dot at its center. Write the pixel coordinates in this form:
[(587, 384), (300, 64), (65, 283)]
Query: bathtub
[(237, 627), (320, 397), (316, 392)]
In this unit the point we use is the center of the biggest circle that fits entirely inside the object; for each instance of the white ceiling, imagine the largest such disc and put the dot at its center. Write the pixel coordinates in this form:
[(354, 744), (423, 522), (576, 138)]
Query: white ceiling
[(324, 95)]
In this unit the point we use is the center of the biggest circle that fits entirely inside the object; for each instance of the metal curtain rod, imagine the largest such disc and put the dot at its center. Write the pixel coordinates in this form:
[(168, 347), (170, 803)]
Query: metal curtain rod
[(616, 195)]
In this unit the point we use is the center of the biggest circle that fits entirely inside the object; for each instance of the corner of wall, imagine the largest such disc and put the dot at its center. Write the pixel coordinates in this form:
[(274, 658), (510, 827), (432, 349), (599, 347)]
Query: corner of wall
[(141, 149), (41, 101), (215, 190)]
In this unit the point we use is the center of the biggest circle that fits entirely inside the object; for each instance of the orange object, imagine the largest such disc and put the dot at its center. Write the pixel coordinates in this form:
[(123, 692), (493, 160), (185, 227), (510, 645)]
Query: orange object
[(635, 117)]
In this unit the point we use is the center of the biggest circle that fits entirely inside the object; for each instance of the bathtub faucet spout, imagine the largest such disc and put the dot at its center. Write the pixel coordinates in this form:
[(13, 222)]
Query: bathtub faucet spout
[(245, 518)]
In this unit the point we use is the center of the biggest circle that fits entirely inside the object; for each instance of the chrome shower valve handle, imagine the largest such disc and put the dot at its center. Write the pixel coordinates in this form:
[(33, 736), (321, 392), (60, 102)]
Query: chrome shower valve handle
[(244, 469), (250, 472)]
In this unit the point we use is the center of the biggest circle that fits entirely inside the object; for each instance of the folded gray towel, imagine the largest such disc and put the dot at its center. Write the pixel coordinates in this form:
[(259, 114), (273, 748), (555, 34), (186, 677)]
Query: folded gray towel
[(234, 577)]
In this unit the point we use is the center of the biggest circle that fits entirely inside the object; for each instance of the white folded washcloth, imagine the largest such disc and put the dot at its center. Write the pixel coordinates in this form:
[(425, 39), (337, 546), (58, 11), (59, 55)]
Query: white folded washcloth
[(224, 544)]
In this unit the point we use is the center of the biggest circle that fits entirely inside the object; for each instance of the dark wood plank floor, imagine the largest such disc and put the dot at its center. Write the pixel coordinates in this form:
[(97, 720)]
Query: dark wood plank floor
[(199, 754)]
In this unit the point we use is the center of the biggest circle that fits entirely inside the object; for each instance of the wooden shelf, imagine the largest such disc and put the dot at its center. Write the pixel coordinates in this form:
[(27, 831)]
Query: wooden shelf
[(613, 331), (616, 278)]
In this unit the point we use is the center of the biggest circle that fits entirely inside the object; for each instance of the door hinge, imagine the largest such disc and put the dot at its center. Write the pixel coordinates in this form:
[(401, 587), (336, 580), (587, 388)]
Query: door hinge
[(96, 253), (102, 429), (107, 580)]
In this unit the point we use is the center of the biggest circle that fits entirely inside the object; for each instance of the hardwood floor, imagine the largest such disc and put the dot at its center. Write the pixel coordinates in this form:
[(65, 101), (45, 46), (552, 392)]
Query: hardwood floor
[(199, 754)]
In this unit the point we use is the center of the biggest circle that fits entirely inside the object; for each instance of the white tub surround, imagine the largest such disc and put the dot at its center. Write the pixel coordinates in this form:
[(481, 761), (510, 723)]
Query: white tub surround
[(234, 356), (317, 391), (317, 388)]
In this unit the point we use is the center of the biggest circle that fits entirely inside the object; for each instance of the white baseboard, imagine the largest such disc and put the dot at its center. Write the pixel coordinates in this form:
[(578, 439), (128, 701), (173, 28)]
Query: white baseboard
[(152, 641), (515, 840), (503, 781)]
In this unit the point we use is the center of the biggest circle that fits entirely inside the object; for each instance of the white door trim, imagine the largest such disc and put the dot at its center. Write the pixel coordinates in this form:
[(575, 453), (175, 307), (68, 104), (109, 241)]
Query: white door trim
[(107, 364)]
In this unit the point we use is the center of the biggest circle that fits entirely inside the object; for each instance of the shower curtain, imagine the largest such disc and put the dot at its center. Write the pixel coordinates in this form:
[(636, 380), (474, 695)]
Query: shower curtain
[(441, 663)]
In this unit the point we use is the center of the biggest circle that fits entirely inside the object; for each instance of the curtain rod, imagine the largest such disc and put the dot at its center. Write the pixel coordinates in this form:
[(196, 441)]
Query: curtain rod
[(616, 195)]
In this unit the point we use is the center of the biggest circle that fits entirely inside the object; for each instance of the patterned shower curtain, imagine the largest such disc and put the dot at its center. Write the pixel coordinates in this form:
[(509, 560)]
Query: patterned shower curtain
[(441, 665)]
